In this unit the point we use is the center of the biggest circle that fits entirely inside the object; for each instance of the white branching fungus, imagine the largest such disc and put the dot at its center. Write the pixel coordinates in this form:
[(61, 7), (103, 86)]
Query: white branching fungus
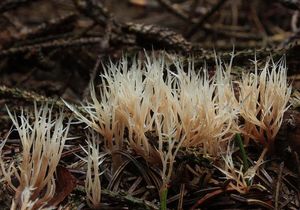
[(264, 98), (240, 180), (206, 117), (185, 108), (28, 204), (5, 174), (42, 144), (139, 99), (233, 173), (93, 182)]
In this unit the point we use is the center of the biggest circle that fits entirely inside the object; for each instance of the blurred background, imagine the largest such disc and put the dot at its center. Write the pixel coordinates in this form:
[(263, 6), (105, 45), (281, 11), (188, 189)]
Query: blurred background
[(55, 47)]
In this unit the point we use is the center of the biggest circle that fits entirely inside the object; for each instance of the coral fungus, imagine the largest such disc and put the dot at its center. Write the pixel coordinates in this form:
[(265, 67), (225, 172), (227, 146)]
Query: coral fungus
[(42, 143)]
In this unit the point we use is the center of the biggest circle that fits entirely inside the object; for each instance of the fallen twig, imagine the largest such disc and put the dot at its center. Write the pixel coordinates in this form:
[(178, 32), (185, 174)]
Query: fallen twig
[(174, 10), (12, 4), (278, 185), (28, 96), (123, 197), (147, 36), (198, 25), (51, 44)]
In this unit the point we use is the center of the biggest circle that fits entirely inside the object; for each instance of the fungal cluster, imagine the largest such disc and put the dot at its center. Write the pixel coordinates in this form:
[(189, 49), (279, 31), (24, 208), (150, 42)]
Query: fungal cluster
[(153, 108)]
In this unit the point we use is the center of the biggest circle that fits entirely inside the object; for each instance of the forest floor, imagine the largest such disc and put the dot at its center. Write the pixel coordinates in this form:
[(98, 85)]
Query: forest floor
[(53, 50)]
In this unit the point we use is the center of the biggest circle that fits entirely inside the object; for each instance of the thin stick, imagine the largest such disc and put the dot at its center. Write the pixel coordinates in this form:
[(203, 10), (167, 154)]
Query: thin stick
[(181, 195), (198, 25), (278, 185)]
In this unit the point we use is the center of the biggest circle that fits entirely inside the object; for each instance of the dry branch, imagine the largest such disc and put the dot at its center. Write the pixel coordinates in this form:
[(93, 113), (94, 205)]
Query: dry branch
[(174, 10), (199, 24), (28, 96), (7, 5), (146, 35), (59, 43)]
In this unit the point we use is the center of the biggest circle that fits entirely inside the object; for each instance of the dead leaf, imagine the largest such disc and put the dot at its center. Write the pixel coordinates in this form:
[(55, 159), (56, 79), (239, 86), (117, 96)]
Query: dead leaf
[(65, 184)]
